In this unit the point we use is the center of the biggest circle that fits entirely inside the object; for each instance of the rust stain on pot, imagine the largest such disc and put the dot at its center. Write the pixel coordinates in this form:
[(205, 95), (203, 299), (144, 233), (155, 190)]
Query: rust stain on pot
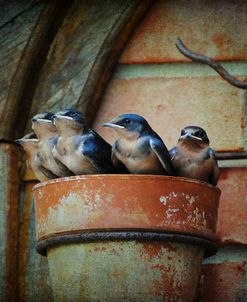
[(125, 202), (153, 250), (131, 273)]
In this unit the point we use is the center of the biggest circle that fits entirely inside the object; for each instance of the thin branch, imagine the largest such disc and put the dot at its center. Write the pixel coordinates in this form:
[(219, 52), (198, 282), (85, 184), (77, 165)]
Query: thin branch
[(231, 155), (208, 61)]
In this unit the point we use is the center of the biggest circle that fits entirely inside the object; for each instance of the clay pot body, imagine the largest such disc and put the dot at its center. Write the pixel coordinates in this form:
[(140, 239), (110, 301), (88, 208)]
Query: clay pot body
[(125, 237)]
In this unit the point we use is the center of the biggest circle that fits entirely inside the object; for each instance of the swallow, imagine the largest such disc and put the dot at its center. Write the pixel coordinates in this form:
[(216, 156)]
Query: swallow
[(30, 144), (139, 148), (192, 156), (47, 135), (80, 148)]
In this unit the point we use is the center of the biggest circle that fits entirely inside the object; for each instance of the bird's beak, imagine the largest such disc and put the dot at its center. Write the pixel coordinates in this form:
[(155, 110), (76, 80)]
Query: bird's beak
[(190, 136), (62, 117), (18, 141), (21, 141), (41, 120), (187, 135), (195, 137), (112, 125)]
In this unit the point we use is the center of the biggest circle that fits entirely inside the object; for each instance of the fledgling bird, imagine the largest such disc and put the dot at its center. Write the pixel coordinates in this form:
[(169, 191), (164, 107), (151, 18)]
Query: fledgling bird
[(30, 144), (192, 156), (139, 148), (47, 135), (81, 149)]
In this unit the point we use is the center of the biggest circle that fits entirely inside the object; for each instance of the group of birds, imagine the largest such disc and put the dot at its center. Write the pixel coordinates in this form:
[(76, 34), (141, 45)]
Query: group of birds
[(63, 145)]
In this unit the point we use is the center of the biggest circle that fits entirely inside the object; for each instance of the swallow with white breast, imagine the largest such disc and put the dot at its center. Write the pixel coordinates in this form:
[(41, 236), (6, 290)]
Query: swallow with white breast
[(81, 149), (47, 135), (30, 144), (139, 148), (192, 156)]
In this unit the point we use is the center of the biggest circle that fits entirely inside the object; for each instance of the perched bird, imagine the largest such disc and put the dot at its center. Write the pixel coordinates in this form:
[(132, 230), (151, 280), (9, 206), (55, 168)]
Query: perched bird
[(193, 158), (30, 145), (139, 148), (47, 135), (81, 149)]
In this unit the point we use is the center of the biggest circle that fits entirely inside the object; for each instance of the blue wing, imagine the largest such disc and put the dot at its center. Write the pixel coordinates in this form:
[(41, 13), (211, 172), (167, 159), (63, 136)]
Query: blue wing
[(173, 152), (162, 153), (98, 152)]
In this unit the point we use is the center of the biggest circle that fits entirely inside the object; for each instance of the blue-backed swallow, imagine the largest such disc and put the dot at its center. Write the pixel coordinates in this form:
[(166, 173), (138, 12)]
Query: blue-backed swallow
[(192, 156), (80, 148), (30, 144), (139, 148), (47, 135)]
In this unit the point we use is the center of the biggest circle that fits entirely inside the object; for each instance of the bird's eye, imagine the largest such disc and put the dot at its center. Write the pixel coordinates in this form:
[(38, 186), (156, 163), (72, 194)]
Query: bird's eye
[(183, 132), (199, 134), (127, 120), (49, 116), (71, 114)]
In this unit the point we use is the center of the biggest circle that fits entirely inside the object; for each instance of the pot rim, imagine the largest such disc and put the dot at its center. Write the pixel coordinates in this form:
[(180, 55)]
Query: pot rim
[(124, 177), (115, 219), (210, 246)]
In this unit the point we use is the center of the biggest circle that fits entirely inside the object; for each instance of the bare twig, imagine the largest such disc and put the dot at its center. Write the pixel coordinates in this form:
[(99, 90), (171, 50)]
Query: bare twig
[(206, 60), (231, 155)]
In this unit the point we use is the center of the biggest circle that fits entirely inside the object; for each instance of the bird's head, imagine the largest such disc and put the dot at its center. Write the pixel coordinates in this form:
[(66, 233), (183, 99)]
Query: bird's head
[(29, 142), (42, 125), (129, 126), (69, 121), (194, 134)]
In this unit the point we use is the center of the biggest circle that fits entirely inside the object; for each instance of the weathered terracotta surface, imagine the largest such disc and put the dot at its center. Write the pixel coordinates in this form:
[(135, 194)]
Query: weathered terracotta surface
[(125, 202), (125, 271), (215, 28), (222, 282), (132, 269), (232, 220)]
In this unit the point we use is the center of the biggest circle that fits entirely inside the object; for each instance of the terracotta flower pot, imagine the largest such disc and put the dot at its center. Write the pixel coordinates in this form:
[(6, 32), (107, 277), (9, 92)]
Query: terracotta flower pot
[(125, 237)]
